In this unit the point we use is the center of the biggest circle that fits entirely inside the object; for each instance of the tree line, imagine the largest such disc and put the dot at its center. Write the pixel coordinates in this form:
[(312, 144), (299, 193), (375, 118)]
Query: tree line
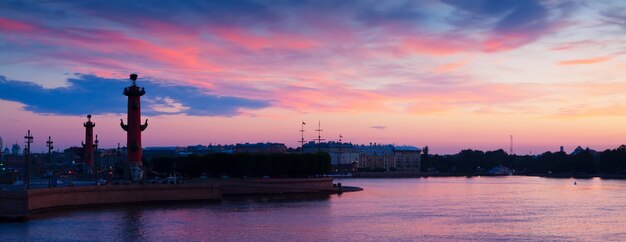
[(586, 161), (244, 165)]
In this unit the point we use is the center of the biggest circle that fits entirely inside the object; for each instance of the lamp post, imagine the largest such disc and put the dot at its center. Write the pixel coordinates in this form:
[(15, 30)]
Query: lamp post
[(50, 147), (29, 140), (118, 161), (96, 163), (339, 157)]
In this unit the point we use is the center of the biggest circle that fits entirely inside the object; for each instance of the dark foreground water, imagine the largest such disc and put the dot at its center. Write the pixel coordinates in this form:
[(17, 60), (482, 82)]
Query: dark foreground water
[(480, 208)]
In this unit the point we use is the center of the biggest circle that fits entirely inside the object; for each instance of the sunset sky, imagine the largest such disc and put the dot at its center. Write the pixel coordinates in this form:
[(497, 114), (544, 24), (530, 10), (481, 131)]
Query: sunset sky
[(446, 74)]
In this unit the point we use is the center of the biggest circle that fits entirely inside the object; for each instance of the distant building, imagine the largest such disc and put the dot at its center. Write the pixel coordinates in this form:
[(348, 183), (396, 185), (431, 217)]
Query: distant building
[(17, 162), (164, 151), (220, 148), (14, 160), (106, 158), (169, 151), (15, 149), (389, 157), (343, 156), (74, 154), (376, 157), (407, 158), (260, 148), (198, 149)]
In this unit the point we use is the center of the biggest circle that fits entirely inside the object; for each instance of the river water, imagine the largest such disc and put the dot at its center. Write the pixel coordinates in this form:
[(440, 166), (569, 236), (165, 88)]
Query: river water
[(419, 209)]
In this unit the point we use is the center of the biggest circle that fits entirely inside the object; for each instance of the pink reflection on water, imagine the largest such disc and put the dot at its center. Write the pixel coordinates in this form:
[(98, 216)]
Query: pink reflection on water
[(488, 208), (426, 209)]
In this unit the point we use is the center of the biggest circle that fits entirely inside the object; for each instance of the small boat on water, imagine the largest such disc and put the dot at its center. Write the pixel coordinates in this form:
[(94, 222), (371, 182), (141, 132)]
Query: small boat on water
[(501, 170)]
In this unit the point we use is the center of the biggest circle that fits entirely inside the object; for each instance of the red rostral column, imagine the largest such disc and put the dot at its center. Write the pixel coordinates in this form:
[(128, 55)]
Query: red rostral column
[(88, 145), (134, 127)]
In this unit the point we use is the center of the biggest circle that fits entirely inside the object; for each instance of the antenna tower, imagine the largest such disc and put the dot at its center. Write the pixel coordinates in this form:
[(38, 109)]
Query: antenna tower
[(340, 146), (319, 136), (301, 141)]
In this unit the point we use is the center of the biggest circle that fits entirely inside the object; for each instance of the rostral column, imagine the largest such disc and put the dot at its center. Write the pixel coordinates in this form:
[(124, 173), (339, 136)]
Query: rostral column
[(134, 127), (88, 145)]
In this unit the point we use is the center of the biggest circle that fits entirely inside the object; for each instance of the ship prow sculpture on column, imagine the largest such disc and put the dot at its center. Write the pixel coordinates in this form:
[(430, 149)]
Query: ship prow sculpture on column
[(134, 127)]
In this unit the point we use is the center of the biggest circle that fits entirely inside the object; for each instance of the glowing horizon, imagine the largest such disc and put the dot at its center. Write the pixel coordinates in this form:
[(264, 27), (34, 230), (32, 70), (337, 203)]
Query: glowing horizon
[(448, 74)]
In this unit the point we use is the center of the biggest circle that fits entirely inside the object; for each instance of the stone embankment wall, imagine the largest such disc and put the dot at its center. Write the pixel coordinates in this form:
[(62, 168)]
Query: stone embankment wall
[(13, 204), (235, 186), (22, 203), (19, 204)]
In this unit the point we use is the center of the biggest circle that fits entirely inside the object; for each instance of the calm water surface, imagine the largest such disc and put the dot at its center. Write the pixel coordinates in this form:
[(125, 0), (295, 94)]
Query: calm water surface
[(479, 208)]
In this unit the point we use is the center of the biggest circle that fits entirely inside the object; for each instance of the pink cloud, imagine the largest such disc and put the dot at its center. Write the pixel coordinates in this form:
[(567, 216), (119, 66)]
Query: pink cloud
[(10, 25), (594, 60), (435, 46), (576, 45), (103, 49), (329, 98), (450, 67), (254, 41), (507, 41)]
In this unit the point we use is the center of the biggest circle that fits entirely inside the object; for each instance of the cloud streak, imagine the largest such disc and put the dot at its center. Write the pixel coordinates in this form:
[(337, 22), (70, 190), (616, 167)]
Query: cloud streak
[(594, 60)]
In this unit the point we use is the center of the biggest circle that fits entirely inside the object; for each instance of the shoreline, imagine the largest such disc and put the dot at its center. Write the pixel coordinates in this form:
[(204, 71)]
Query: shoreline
[(469, 174)]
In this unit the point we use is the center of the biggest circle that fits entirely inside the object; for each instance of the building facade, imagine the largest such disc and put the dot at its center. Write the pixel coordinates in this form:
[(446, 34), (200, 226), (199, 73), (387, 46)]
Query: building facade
[(15, 149), (407, 158), (376, 157), (386, 157), (343, 156), (260, 148)]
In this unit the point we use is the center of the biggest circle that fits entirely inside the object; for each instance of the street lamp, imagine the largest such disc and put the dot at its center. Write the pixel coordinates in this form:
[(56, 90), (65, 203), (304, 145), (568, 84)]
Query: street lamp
[(50, 147), (29, 140), (118, 157)]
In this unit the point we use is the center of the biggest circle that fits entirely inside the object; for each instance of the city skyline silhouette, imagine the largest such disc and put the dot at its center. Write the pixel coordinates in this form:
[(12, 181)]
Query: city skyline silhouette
[(449, 75)]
